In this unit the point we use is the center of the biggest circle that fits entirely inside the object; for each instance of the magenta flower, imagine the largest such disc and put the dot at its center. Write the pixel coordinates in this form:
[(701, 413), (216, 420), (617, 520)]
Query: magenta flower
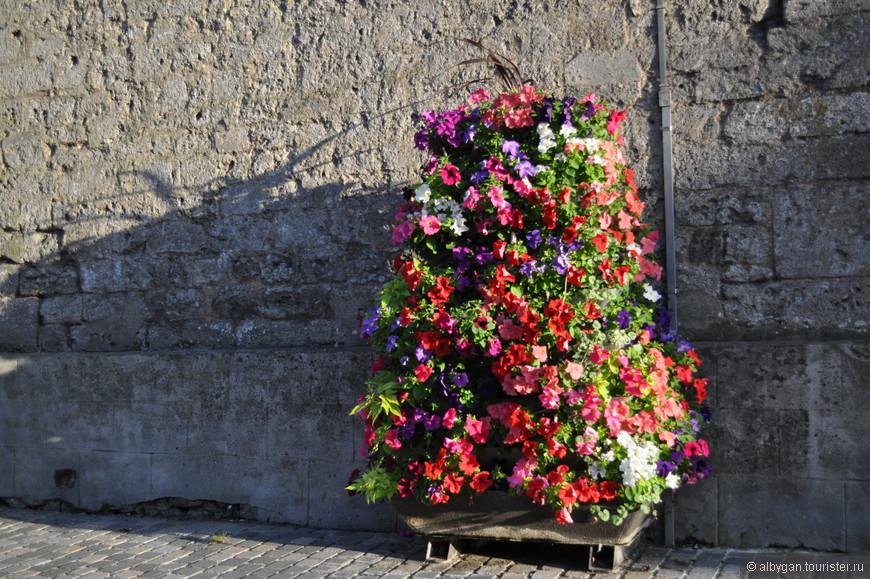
[(450, 175)]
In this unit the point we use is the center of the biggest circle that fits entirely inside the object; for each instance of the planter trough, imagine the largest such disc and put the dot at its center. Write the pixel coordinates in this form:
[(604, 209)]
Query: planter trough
[(497, 516)]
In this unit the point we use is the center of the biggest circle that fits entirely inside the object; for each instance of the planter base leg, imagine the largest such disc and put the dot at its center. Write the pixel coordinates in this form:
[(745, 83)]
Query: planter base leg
[(610, 557), (443, 550)]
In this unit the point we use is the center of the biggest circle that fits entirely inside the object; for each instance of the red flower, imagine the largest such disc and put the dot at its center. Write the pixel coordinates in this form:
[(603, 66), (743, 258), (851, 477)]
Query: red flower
[(422, 372), (410, 274), (600, 241), (452, 483), (480, 482), (441, 292)]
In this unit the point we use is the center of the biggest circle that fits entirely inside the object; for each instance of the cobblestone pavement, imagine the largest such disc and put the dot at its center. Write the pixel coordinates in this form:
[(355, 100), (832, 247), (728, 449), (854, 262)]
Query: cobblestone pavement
[(60, 545)]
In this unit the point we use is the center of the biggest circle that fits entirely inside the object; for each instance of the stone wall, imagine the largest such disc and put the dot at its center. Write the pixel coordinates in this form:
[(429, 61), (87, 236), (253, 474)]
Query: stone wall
[(195, 199)]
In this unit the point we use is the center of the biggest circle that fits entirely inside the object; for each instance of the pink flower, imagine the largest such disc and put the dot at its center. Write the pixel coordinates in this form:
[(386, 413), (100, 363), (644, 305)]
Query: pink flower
[(549, 397), (449, 418), (403, 231), (522, 470), (586, 443), (478, 430), (563, 516), (392, 439), (616, 413), (574, 370), (450, 175), (430, 224)]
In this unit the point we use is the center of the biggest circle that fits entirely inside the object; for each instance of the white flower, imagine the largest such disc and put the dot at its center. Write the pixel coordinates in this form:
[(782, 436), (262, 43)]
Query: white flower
[(672, 481), (422, 193), (597, 470), (567, 130), (650, 293), (458, 226)]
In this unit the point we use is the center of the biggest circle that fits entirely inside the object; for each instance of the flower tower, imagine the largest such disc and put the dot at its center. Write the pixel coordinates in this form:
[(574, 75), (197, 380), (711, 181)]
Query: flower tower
[(522, 322)]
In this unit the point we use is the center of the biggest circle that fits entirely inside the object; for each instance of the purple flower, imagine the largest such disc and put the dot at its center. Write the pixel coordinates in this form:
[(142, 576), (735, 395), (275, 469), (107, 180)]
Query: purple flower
[(526, 169), (460, 379), (370, 324), (392, 342), (431, 422), (469, 133), (422, 354), (421, 139), (407, 429), (530, 268), (623, 319), (561, 264), (534, 238), (479, 177), (665, 467), (512, 148)]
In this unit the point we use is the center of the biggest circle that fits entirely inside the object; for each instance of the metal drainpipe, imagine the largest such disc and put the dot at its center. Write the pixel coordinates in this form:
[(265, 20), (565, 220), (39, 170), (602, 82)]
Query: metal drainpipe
[(670, 250)]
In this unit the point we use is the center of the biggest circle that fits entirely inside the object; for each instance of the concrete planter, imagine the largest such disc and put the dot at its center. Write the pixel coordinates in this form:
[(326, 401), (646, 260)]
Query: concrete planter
[(501, 517)]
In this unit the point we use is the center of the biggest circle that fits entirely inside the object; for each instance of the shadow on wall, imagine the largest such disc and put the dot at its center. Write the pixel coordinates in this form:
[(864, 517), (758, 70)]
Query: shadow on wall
[(208, 353), (267, 262)]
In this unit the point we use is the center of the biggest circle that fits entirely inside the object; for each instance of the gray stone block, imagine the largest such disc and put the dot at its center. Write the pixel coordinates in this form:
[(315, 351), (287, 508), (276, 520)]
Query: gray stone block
[(191, 334), (8, 280), (113, 478), (61, 309), (857, 517), (317, 430), (780, 309), (46, 473), (745, 440), (22, 314), (278, 489), (757, 511), (46, 279), (839, 243), (696, 512), (7, 470), (338, 510)]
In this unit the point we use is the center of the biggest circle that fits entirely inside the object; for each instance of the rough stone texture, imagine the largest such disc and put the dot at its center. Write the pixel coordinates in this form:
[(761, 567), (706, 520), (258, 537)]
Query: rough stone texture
[(195, 199)]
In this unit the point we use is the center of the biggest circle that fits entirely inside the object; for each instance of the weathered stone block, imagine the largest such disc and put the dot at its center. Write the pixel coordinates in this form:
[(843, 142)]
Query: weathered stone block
[(783, 377), (297, 303), (279, 489), (745, 441), (61, 309), (798, 10), (22, 314), (53, 338), (327, 482), (840, 239), (220, 424), (9, 280), (757, 511), (46, 279), (113, 478), (7, 470), (826, 308), (857, 517), (46, 473), (312, 431), (696, 516), (191, 334), (23, 248)]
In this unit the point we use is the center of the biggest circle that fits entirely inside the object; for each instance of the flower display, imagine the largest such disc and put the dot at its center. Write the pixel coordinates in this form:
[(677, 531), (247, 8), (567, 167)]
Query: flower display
[(521, 344)]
